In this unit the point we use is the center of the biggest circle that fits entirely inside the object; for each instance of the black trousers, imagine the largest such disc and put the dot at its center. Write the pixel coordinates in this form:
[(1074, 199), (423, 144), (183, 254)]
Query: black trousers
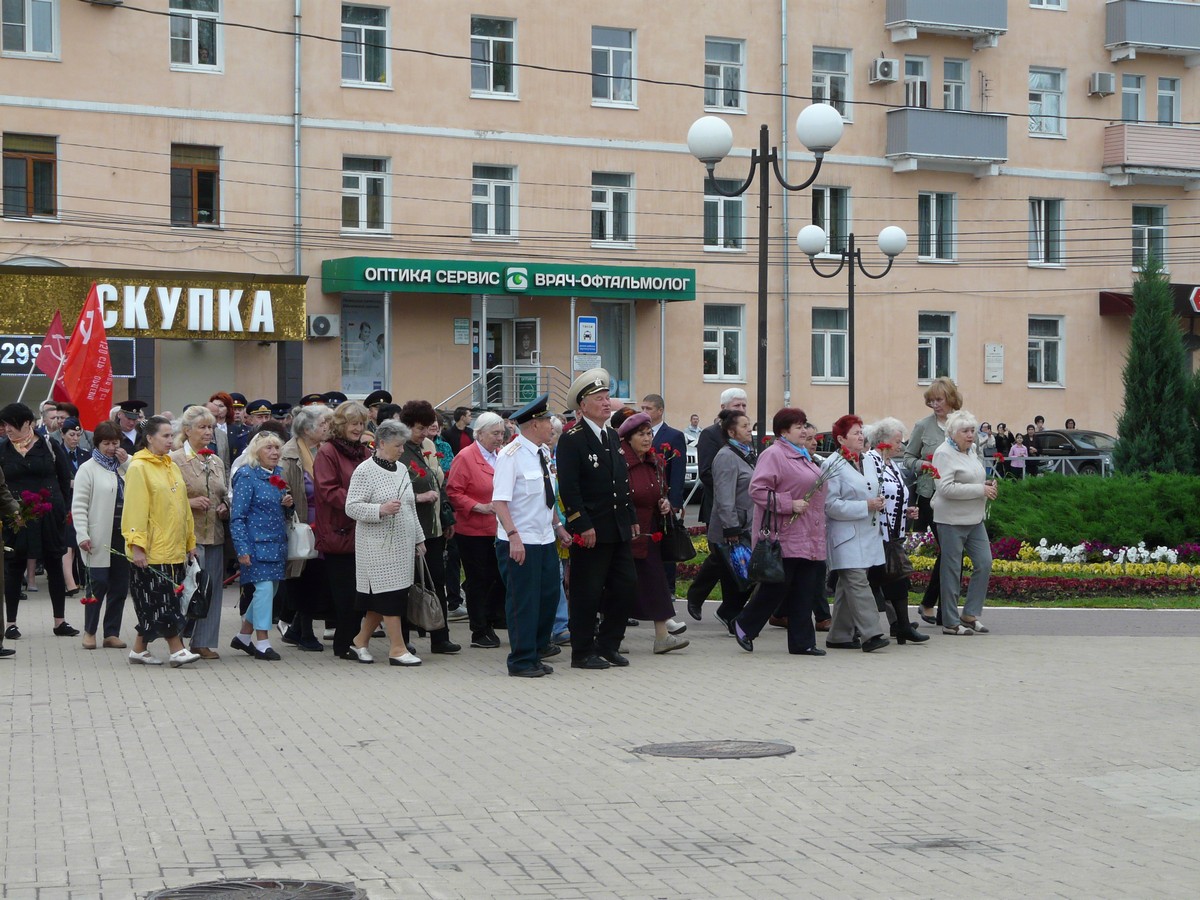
[(453, 579), (713, 570), (110, 586), (485, 589), (14, 571), (435, 558), (339, 570), (603, 584), (803, 582), (933, 591)]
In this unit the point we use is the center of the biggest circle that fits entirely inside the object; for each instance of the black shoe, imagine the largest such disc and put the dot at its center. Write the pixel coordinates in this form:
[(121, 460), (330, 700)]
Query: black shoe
[(73, 592), (248, 649), (64, 629), (632, 623), (547, 652), (843, 645), (290, 638), (744, 642), (485, 640), (614, 658), (528, 673), (445, 647), (6, 652), (728, 623), (549, 670), (312, 645), (380, 633), (12, 633), (811, 651), (269, 654), (350, 655), (695, 608), (925, 617), (592, 661), (876, 643)]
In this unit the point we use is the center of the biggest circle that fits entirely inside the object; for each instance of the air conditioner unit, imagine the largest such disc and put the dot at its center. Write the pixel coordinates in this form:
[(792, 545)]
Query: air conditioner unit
[(884, 71), (1102, 84), (324, 326)]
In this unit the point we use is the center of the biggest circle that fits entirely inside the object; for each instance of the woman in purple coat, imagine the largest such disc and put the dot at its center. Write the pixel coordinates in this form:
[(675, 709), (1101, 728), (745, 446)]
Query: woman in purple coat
[(784, 483)]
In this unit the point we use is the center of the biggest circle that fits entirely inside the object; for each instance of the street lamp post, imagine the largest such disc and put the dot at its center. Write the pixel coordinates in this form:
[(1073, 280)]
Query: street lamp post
[(710, 139), (811, 240)]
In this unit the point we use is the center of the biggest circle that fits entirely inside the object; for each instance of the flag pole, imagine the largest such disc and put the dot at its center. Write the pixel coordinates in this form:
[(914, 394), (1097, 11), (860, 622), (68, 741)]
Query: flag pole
[(53, 381), (32, 366)]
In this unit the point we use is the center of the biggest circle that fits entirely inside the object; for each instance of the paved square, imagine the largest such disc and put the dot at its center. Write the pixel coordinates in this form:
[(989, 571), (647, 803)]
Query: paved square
[(1018, 764)]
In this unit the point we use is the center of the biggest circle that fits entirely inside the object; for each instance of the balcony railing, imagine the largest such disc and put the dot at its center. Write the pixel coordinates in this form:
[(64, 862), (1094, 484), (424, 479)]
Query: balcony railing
[(1152, 154), (981, 20), (946, 140), (1152, 26)]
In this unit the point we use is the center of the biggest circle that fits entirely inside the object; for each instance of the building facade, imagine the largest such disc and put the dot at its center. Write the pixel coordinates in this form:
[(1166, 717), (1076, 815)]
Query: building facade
[(482, 199)]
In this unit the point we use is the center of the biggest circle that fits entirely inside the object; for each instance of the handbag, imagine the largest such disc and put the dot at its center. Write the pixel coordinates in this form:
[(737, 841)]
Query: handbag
[(896, 564), (446, 513), (424, 606), (766, 561), (198, 592), (676, 544), (736, 557), (301, 542)]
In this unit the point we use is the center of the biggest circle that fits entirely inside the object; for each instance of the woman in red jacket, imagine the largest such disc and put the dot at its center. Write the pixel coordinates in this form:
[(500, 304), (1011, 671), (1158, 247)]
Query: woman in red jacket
[(333, 465), (469, 487)]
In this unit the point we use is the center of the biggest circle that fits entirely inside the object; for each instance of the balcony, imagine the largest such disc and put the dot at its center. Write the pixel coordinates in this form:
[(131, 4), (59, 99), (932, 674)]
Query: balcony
[(946, 140), (1153, 26), (1152, 154), (981, 20)]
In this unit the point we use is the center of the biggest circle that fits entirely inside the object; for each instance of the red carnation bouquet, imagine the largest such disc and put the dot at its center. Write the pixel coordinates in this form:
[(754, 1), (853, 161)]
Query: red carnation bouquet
[(32, 506), (416, 470), (278, 481)]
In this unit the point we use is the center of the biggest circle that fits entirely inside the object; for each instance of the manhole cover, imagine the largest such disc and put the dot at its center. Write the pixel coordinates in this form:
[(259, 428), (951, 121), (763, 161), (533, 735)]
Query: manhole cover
[(717, 749), (262, 890)]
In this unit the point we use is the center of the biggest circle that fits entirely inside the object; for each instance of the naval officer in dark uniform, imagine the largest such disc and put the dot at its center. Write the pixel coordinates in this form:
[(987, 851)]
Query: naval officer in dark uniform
[(593, 483)]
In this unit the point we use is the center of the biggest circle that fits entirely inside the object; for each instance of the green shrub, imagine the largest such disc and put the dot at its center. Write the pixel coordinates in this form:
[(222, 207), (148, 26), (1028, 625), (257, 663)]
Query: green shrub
[(1158, 509)]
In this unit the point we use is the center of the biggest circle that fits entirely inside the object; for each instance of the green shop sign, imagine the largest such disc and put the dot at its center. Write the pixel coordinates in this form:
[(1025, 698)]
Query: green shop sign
[(453, 276)]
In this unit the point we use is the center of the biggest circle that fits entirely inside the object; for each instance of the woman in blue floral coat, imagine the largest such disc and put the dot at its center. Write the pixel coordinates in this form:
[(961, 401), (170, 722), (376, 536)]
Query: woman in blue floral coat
[(258, 525)]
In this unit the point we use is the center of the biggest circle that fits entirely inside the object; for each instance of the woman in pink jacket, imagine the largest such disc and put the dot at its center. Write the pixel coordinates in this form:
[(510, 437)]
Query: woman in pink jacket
[(785, 484)]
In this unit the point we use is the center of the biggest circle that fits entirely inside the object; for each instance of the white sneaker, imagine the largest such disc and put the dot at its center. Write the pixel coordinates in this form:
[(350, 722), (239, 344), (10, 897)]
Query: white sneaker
[(328, 634), (145, 658), (674, 626), (182, 658)]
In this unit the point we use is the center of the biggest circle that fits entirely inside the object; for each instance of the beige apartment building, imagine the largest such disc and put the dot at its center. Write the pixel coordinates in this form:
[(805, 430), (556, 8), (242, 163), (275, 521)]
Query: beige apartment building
[(287, 196)]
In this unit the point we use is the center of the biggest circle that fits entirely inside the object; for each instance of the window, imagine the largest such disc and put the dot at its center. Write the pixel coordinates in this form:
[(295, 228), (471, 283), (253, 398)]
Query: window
[(195, 185), (723, 72), (1168, 101), (831, 78), (30, 174), (614, 340), (1149, 234), (1045, 350), (1045, 232), (364, 45), (723, 217), (612, 208), (1046, 101), (831, 210), (1133, 98), (1048, 4), (493, 52), (30, 27), (916, 81), (365, 346), (723, 343), (935, 226), (829, 341), (364, 194), (194, 33), (493, 201), (612, 65), (935, 346), (955, 76)]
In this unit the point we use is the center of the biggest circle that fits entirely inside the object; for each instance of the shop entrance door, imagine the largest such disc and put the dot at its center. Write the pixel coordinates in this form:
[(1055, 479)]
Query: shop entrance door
[(527, 356)]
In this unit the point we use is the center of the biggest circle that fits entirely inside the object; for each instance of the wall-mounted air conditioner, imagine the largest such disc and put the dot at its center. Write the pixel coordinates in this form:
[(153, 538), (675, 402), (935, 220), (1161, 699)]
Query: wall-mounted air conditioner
[(324, 326), (1102, 84), (884, 71)]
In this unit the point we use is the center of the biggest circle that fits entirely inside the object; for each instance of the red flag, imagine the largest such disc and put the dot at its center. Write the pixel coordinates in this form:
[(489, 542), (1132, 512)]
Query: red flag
[(88, 372), (49, 358)]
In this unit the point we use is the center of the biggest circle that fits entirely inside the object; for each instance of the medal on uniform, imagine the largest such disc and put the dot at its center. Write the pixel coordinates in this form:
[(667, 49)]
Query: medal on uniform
[(595, 460)]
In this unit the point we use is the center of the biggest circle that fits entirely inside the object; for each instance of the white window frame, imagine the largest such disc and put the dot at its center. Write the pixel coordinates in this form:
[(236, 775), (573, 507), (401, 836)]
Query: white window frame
[(930, 208), (27, 8), (362, 193), (489, 196), (826, 337), (916, 82), (716, 82), (488, 62), (825, 79), (1042, 123), (611, 54), (956, 90), (361, 43), (728, 209), (931, 341), (193, 18), (718, 344), (1037, 344), (1144, 234), (831, 207), (1133, 88), (1048, 4), (1171, 93), (607, 207), (1043, 232)]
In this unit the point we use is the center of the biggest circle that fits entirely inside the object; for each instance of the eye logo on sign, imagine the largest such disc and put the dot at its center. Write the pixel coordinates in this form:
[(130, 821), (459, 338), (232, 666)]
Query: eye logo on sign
[(516, 279)]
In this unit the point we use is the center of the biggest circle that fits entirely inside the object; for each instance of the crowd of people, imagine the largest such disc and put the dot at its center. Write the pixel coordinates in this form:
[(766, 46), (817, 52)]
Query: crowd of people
[(554, 525)]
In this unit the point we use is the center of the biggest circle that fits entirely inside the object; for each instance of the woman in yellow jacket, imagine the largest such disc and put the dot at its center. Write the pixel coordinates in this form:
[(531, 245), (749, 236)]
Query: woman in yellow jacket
[(160, 535)]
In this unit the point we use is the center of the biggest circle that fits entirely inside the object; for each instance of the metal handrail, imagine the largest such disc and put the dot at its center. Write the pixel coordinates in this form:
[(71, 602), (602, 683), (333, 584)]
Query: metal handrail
[(1065, 465), (551, 380)]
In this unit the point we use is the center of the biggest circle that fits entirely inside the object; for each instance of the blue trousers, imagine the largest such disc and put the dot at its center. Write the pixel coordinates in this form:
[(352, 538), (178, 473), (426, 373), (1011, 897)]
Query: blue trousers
[(258, 613), (530, 601), (561, 615)]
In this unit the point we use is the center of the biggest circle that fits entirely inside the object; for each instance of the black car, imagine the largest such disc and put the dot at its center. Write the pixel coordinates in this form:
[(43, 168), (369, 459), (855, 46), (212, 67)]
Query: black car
[(1075, 443)]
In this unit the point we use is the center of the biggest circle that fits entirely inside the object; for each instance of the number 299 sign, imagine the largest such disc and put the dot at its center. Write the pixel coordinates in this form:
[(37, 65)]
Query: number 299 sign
[(18, 353)]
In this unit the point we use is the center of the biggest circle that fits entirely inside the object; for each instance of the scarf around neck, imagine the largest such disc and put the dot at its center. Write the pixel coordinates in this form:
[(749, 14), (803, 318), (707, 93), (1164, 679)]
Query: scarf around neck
[(111, 464)]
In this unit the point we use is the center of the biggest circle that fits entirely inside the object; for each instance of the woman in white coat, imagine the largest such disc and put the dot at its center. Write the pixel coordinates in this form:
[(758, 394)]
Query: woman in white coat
[(388, 538), (852, 539), (96, 514)]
